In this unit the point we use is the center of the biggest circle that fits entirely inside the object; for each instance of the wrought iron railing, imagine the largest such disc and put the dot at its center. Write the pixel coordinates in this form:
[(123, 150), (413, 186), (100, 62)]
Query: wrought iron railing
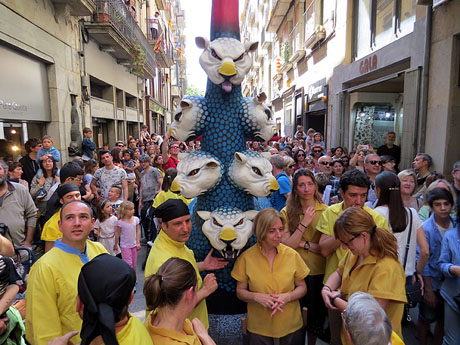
[(118, 15), (295, 39), (309, 18)]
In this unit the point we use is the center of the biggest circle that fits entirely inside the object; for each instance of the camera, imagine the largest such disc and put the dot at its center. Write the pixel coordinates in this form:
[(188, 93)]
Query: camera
[(3, 229)]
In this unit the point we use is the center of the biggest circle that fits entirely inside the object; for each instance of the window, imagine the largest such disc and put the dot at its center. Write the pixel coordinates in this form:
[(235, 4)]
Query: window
[(380, 22)]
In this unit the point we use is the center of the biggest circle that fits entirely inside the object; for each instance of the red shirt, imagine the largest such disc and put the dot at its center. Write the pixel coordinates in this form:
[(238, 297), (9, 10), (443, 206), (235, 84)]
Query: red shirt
[(172, 163)]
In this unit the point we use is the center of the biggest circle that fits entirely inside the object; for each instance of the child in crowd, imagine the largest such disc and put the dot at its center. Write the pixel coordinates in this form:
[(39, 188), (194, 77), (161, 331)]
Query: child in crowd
[(104, 227), (128, 234), (130, 165), (115, 198), (48, 150), (88, 146), (318, 140)]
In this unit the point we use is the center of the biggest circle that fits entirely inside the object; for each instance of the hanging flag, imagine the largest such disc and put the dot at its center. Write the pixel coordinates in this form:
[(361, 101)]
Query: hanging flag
[(158, 44), (179, 48)]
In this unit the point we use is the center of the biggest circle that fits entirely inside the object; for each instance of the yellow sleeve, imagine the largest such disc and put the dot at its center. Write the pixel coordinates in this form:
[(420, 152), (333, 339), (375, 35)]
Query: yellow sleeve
[(388, 281), (42, 315), (51, 230), (159, 199), (324, 224), (301, 268), (239, 270), (343, 262)]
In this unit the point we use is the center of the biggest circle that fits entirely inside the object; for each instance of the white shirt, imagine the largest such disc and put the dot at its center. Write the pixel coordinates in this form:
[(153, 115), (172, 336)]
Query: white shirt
[(402, 238)]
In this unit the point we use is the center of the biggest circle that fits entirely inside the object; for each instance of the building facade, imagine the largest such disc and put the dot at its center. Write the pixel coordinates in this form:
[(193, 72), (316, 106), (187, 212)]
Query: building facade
[(68, 64), (356, 69)]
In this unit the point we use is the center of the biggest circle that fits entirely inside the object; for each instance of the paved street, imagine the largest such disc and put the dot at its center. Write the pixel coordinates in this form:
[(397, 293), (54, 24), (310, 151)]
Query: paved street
[(137, 307)]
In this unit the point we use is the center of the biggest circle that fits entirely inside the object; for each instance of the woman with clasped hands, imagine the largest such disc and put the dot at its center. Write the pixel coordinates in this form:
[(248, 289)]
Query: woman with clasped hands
[(370, 266), (270, 278)]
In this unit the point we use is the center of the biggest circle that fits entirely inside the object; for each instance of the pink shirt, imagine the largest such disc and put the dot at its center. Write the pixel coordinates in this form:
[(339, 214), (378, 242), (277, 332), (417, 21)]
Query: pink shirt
[(128, 233)]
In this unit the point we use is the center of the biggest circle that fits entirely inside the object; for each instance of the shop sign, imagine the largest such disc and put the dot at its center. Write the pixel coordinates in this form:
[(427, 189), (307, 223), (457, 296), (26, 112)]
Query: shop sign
[(317, 90), (369, 64)]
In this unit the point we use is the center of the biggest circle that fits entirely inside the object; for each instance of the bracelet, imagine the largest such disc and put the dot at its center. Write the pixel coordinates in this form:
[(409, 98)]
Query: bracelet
[(300, 223), (327, 286)]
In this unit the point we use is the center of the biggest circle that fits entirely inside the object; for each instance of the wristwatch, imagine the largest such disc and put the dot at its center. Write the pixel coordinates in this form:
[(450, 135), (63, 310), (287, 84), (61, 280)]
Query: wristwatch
[(306, 246)]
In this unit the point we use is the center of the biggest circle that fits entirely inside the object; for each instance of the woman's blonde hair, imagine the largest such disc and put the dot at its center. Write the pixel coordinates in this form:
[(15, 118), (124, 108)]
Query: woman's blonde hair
[(409, 172), (125, 206), (435, 184), (354, 221), (264, 220)]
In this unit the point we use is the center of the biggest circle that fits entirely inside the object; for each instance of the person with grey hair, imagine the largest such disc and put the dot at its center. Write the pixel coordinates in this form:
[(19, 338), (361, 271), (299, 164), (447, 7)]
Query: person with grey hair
[(372, 167), (422, 164), (366, 322), (278, 198), (289, 165), (17, 210), (150, 184)]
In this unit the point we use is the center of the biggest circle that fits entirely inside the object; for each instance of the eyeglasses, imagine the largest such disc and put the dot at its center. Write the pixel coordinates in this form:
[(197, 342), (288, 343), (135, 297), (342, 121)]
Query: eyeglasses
[(375, 162), (310, 162), (77, 179), (174, 147), (317, 151), (120, 145), (300, 155), (327, 163), (347, 243)]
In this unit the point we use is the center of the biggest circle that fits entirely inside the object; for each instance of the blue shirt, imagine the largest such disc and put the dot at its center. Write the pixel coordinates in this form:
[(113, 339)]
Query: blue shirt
[(87, 147), (277, 199), (55, 155), (434, 239), (71, 250), (450, 256)]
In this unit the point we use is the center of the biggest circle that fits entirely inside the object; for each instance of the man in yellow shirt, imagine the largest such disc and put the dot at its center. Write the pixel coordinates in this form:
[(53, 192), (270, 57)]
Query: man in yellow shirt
[(354, 187), (176, 226), (52, 284)]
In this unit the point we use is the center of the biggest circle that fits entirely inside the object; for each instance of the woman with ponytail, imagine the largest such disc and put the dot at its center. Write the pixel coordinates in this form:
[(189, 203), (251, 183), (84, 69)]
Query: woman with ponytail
[(404, 222), (166, 193), (170, 296), (370, 266)]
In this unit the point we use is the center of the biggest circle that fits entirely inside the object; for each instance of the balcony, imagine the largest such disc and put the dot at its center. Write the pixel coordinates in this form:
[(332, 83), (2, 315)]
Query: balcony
[(117, 33), (278, 12), (76, 7), (296, 42), (286, 54), (314, 31), (101, 108), (266, 39), (158, 41), (160, 4)]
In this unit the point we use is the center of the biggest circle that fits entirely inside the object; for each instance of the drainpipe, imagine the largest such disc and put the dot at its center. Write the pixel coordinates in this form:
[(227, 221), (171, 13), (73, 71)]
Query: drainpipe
[(425, 73)]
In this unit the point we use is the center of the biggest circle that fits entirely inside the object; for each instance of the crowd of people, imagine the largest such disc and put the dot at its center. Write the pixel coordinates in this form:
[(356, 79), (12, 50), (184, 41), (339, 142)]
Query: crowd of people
[(347, 236)]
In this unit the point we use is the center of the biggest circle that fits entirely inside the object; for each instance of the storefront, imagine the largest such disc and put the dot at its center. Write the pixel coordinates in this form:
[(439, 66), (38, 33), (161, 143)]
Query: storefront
[(316, 107), (24, 99)]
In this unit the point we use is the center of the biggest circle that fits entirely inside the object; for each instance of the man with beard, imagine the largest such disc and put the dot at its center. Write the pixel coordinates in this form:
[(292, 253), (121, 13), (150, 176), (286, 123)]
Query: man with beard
[(17, 210)]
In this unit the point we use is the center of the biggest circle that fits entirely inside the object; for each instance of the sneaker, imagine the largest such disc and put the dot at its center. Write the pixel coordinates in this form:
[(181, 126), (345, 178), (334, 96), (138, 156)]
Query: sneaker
[(41, 194)]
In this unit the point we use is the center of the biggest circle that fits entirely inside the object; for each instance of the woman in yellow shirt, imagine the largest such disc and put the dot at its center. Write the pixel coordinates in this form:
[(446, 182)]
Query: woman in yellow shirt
[(370, 266), (166, 193), (171, 296), (304, 208), (270, 278)]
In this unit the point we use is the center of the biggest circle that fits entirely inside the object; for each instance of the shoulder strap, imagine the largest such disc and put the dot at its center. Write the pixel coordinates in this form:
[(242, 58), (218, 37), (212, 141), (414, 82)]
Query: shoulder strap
[(408, 238)]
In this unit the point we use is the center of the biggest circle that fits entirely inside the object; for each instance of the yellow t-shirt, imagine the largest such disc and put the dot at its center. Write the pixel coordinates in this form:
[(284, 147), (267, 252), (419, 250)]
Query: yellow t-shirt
[(164, 248), (395, 339), (165, 336), (163, 196), (315, 262), (51, 294), (51, 230), (326, 226), (381, 278), (253, 268), (134, 333)]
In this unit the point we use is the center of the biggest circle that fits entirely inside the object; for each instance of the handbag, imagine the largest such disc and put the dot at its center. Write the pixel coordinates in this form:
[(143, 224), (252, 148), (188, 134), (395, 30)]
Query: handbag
[(413, 291)]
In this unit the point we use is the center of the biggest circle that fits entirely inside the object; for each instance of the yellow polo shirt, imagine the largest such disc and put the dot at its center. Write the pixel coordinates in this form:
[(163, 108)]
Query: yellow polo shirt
[(252, 267), (382, 278), (134, 333), (326, 226), (164, 248), (51, 230), (166, 336), (163, 196), (315, 262)]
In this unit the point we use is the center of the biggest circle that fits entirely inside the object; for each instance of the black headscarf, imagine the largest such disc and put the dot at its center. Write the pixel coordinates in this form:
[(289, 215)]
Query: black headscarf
[(65, 188), (171, 209), (104, 287)]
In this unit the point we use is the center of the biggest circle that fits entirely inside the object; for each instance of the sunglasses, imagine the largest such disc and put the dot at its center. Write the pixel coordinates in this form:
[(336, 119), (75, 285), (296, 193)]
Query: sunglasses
[(291, 166), (351, 240), (77, 179), (327, 163), (310, 162), (174, 147), (301, 155), (317, 151), (375, 162)]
